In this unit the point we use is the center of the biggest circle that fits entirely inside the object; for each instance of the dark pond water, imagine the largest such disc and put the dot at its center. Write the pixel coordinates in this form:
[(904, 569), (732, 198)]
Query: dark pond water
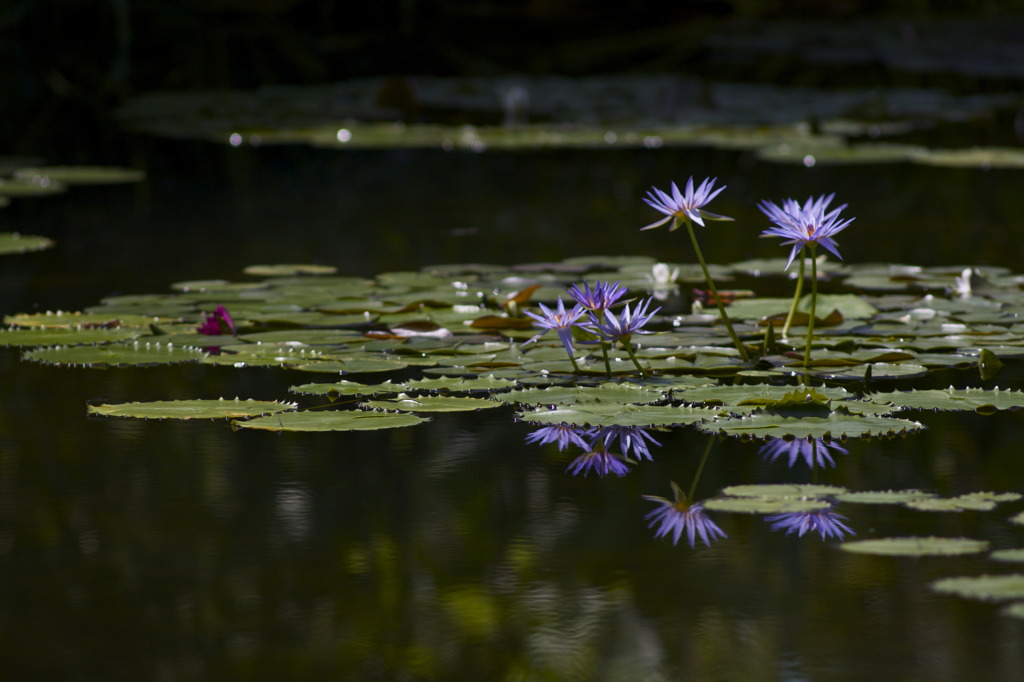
[(134, 550)]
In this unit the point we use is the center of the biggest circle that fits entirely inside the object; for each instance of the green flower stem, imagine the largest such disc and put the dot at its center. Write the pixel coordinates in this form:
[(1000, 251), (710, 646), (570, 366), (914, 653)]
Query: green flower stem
[(607, 365), (700, 468), (629, 349), (796, 296), (575, 367), (714, 293), (814, 301)]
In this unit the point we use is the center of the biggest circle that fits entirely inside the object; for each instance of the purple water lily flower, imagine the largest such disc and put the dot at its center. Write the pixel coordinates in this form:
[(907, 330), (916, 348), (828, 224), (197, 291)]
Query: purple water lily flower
[(805, 225), (601, 297), (218, 323), (560, 319), (677, 516), (622, 326), (632, 440), (600, 461), (561, 435), (825, 521), (688, 205), (813, 451)]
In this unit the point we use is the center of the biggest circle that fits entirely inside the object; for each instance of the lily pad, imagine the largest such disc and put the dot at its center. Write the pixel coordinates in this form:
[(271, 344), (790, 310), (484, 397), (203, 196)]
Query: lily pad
[(192, 409), (883, 496), (766, 505), (431, 403), (61, 336), (984, 587), (340, 388), (783, 490), (609, 393), (80, 175), (916, 546), (1008, 555), (597, 414), (80, 320), (332, 420), (488, 383), (984, 401), (13, 242), (833, 425), (283, 270), (980, 501), (115, 354)]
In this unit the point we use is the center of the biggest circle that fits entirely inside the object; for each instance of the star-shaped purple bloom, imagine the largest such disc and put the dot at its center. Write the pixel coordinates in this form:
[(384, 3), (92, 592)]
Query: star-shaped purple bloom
[(825, 521), (601, 297), (560, 319), (688, 205), (623, 325), (805, 225)]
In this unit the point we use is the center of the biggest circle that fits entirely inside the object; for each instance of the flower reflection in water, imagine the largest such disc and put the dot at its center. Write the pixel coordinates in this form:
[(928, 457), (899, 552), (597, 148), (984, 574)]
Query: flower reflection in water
[(632, 440), (826, 522), (633, 443), (678, 515), (562, 435), (812, 451), (600, 461)]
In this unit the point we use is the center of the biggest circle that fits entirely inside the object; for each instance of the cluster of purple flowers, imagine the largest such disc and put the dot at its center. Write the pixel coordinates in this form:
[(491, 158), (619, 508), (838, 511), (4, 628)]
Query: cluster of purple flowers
[(218, 323), (592, 312), (632, 442)]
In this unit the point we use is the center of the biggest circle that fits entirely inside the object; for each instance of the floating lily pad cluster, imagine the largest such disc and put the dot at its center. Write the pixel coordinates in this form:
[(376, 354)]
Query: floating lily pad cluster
[(450, 338), (781, 124)]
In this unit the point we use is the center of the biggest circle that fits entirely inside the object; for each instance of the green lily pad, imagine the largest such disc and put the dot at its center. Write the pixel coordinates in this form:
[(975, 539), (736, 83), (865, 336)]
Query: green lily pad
[(1018, 519), (765, 505), (833, 425), (783, 490), (431, 403), (13, 242), (760, 394), (61, 336), (488, 383), (916, 546), (29, 188), (984, 587), (1008, 555), (984, 401), (115, 354), (80, 175), (80, 320), (609, 393), (332, 420), (979, 501), (352, 388), (884, 496), (597, 414), (192, 409), (284, 270)]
